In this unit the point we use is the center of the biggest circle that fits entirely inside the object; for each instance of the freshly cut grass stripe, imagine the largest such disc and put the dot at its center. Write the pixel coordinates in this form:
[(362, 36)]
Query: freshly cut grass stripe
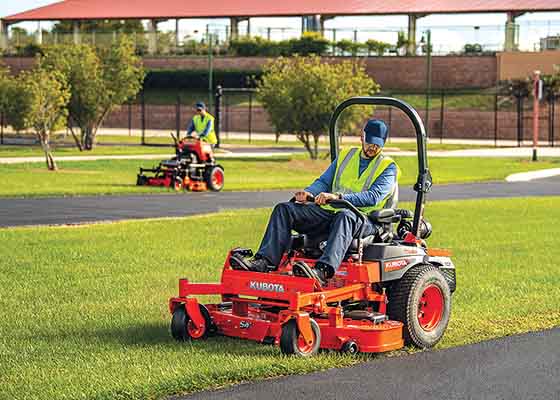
[(119, 176), (84, 311)]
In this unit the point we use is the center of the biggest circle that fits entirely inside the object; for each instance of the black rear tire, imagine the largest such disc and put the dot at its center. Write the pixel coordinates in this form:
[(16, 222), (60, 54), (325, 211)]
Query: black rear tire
[(141, 180), (421, 300), (291, 342), (214, 178)]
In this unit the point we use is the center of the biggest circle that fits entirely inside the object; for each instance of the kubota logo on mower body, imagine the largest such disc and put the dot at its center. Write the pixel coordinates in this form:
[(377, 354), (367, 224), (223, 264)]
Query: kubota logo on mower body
[(395, 265), (266, 287)]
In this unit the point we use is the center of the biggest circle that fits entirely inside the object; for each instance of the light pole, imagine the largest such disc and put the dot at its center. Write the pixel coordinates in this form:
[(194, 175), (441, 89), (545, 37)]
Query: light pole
[(209, 38), (537, 95), (428, 43)]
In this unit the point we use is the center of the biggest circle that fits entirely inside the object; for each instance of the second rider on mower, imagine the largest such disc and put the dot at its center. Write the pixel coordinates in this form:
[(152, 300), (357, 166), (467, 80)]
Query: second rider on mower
[(203, 124), (366, 178)]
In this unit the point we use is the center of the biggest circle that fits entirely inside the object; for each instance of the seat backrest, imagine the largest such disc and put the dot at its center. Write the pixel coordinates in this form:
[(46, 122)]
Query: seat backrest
[(393, 201)]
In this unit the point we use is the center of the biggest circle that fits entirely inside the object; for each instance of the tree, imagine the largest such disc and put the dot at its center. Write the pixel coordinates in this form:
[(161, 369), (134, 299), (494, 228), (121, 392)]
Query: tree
[(13, 103), (102, 26), (99, 82), (6, 83), (376, 46), (345, 46), (46, 95), (301, 93)]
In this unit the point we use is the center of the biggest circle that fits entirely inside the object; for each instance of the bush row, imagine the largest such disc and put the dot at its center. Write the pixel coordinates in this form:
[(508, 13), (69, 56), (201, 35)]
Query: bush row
[(198, 79)]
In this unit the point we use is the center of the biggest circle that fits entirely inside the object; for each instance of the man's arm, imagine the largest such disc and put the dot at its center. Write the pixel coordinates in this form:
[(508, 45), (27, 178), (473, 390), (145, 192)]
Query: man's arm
[(324, 182), (380, 189), (190, 129), (206, 130)]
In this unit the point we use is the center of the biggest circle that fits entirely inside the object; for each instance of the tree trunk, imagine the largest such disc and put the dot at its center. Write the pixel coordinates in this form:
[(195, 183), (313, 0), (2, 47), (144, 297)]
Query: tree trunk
[(88, 138), (304, 138), (316, 145), (76, 140), (51, 164)]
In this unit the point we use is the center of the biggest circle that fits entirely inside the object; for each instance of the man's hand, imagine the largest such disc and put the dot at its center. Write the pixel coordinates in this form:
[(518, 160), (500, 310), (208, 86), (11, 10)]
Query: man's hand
[(302, 196), (322, 198)]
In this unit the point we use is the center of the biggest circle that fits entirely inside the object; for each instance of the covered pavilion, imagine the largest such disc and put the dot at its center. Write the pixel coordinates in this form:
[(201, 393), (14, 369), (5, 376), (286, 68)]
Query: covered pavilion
[(313, 12)]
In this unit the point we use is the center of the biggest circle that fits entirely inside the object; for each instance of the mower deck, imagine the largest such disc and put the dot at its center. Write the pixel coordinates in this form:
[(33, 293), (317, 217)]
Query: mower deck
[(256, 306)]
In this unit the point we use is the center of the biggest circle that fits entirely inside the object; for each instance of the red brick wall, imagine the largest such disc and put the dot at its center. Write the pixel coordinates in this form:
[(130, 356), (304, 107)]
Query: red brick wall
[(407, 73), (458, 123)]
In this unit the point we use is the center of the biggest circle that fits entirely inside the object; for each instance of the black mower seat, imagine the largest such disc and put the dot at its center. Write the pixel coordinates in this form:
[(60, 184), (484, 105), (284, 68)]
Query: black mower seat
[(315, 242)]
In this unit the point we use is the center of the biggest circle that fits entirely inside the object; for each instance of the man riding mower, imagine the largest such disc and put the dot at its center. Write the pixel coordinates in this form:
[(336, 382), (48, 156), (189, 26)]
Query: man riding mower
[(203, 125), (358, 276), (193, 168)]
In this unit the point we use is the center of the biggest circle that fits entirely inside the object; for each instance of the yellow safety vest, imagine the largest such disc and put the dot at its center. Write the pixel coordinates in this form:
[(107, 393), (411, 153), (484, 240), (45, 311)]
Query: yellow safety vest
[(201, 123), (346, 179)]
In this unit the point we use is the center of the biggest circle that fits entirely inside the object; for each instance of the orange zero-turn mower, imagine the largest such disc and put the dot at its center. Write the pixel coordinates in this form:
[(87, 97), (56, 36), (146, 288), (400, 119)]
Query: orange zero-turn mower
[(194, 168), (391, 290)]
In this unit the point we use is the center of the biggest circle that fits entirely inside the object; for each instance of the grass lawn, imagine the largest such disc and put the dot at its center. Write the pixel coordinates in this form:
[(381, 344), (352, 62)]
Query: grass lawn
[(119, 176), (84, 309), (127, 145)]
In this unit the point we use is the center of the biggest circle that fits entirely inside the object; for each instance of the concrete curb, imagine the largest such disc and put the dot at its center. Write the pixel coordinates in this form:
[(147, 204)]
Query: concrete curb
[(529, 176)]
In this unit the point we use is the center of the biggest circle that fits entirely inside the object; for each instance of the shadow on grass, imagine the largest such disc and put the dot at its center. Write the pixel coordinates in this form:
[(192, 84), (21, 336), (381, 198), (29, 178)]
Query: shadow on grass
[(152, 334)]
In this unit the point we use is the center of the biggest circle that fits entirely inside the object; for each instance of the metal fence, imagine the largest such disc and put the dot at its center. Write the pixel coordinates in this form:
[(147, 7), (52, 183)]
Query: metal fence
[(531, 35), (485, 115)]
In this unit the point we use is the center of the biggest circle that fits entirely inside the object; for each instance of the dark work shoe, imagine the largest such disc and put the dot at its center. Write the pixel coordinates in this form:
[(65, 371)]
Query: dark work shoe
[(325, 271), (260, 264), (301, 269)]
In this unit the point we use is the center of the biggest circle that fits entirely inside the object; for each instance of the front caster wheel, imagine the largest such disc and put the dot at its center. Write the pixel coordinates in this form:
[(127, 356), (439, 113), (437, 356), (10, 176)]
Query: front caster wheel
[(292, 342), (350, 347), (182, 327)]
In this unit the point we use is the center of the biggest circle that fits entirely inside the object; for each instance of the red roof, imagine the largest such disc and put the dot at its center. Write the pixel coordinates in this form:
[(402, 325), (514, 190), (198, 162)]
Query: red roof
[(148, 9)]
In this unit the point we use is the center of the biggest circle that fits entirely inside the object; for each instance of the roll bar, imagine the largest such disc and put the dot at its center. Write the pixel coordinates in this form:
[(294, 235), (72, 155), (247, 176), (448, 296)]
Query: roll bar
[(424, 181)]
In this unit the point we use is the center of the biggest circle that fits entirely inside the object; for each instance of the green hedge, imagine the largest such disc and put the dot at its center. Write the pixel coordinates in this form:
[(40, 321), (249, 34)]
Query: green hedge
[(198, 79), (309, 43)]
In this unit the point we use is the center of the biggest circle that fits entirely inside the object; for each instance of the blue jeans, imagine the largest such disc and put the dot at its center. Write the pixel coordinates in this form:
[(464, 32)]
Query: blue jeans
[(311, 219)]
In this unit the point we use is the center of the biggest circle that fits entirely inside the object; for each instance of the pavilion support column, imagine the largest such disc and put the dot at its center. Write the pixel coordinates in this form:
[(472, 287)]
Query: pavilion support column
[(152, 37), (177, 33), (3, 35), (322, 20), (511, 32), (39, 36), (411, 46), (311, 23), (234, 28), (76, 32)]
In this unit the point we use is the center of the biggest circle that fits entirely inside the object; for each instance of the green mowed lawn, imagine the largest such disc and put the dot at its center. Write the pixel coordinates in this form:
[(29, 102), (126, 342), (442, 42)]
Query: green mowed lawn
[(130, 145), (119, 176), (84, 309)]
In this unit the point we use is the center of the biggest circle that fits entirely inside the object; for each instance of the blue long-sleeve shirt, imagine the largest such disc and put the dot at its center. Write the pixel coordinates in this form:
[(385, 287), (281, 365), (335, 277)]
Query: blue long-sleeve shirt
[(380, 188), (202, 134)]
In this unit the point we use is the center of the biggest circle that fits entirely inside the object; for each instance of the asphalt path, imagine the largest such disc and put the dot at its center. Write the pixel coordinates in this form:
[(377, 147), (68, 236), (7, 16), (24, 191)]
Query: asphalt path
[(516, 367), (77, 210)]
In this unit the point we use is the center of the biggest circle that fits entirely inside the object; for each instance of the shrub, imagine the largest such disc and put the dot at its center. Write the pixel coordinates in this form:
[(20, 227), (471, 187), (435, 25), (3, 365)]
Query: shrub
[(198, 79), (377, 47), (301, 93), (309, 43)]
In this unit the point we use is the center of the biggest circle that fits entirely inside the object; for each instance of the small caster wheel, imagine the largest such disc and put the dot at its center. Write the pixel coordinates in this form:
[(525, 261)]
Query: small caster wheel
[(182, 327), (350, 347), (292, 342)]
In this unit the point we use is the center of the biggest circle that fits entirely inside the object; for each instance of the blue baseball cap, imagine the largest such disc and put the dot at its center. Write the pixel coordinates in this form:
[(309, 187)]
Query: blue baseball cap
[(200, 105), (375, 132)]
